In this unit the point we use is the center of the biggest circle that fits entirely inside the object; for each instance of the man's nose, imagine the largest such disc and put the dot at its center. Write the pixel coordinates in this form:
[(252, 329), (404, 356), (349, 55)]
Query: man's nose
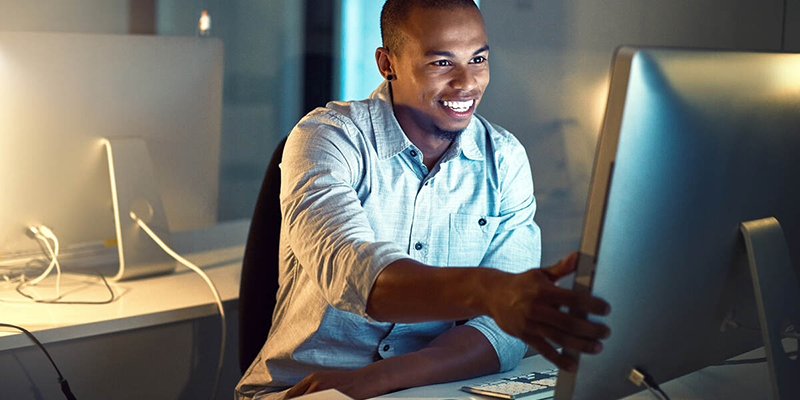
[(463, 78)]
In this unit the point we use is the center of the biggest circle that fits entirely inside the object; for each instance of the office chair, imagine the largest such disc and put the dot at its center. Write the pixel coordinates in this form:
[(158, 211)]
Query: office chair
[(259, 281)]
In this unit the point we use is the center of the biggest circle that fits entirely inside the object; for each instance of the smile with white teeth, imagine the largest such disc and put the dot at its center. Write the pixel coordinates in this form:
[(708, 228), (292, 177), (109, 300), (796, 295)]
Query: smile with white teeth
[(458, 106)]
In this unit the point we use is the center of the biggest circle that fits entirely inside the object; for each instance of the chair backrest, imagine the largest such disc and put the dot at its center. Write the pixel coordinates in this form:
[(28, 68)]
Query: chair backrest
[(259, 281)]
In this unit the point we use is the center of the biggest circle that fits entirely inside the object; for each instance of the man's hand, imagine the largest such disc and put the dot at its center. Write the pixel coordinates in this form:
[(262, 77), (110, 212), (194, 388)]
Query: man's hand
[(351, 383), (528, 306)]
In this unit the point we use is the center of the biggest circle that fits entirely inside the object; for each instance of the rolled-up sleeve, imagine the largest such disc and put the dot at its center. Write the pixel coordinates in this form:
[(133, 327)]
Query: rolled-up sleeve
[(515, 247), (325, 224)]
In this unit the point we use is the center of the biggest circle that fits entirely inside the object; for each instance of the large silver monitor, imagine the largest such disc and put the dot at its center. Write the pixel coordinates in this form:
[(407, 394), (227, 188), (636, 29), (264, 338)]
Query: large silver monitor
[(693, 144), (61, 94)]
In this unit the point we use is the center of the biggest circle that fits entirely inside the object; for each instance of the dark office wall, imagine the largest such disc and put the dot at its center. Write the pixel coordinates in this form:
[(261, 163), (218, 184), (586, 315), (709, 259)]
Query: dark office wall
[(318, 54), (142, 17), (263, 86), (791, 36)]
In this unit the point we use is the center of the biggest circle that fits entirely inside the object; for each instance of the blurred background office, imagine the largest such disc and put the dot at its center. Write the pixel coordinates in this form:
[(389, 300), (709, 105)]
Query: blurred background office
[(550, 64)]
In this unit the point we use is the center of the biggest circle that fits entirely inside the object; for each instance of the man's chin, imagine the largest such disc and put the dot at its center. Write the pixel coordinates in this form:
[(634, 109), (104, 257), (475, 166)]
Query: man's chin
[(446, 134)]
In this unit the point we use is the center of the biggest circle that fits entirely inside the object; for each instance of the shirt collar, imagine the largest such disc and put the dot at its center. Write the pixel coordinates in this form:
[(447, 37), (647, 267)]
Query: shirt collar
[(467, 140), (390, 139)]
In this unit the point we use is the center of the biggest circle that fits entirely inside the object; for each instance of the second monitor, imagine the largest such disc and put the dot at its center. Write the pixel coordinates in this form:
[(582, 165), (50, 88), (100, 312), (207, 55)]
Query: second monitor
[(62, 94)]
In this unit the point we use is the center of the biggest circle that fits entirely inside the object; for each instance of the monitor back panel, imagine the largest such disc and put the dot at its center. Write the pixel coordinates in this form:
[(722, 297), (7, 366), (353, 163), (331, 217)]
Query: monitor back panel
[(694, 143), (61, 93)]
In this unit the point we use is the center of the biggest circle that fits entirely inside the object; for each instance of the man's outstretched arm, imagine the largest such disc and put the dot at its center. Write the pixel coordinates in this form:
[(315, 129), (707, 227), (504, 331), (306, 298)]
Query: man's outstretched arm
[(526, 305)]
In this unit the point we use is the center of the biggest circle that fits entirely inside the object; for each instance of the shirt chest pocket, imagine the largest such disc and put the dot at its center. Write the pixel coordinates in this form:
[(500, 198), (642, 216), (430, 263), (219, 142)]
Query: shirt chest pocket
[(470, 236)]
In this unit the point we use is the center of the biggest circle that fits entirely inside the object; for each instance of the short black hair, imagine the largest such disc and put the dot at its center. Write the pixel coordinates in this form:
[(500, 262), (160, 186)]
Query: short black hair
[(395, 13)]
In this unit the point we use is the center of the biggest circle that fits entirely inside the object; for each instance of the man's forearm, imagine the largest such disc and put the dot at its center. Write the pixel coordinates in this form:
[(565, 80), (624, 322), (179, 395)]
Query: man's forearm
[(407, 291), (460, 353), (527, 305)]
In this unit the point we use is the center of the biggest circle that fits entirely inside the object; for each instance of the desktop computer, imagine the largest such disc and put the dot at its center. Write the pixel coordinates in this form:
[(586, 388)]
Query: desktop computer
[(692, 228), (108, 143), (70, 101), (694, 143)]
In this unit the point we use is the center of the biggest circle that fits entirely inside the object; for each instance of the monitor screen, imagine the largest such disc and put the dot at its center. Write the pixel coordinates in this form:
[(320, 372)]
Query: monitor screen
[(61, 94), (693, 144)]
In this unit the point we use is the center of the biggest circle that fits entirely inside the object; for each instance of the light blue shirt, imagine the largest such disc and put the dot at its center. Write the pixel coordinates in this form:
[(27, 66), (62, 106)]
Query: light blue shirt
[(356, 196)]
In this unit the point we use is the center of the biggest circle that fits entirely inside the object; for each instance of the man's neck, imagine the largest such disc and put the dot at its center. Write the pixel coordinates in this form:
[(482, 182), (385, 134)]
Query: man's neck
[(431, 146)]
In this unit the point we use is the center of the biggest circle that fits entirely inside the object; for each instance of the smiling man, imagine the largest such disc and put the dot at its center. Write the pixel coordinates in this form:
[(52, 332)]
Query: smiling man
[(403, 213)]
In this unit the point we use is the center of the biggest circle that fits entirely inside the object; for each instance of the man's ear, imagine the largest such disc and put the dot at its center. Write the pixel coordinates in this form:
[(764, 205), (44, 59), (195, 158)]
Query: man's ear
[(383, 59)]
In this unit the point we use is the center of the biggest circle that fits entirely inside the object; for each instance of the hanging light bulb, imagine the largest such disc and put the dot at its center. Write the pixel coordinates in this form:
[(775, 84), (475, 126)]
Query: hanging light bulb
[(204, 25)]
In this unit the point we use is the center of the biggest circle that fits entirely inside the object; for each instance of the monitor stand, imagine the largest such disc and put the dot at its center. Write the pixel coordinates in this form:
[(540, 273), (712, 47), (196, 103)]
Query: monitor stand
[(777, 300), (133, 190)]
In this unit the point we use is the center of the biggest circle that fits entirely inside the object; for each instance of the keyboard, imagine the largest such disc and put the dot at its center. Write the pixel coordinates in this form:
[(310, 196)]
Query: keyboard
[(532, 386)]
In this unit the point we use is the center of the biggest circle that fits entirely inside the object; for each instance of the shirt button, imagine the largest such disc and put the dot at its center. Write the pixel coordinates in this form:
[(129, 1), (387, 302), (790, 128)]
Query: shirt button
[(413, 153), (386, 348), (481, 222), (418, 246)]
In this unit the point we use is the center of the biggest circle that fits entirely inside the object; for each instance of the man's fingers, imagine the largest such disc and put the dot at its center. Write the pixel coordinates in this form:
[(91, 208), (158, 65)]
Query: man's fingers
[(547, 351), (570, 341), (298, 390), (546, 316), (557, 297), (561, 268), (293, 392)]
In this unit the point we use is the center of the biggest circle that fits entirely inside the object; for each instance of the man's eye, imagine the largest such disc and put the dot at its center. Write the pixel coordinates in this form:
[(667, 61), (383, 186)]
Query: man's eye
[(441, 63), (479, 60)]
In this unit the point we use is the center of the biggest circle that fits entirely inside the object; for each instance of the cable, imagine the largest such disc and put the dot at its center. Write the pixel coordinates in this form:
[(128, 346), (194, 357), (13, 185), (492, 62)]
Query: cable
[(61, 381), (663, 394), (53, 258), (655, 393), (205, 277), (42, 233), (57, 300), (13, 274), (639, 377)]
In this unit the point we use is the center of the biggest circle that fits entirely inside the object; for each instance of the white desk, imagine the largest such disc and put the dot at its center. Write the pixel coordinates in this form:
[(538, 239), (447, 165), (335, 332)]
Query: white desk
[(140, 303), (748, 381), (158, 340)]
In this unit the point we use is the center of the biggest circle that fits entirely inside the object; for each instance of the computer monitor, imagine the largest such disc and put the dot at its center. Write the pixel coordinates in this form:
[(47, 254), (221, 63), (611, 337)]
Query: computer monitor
[(693, 144), (62, 94)]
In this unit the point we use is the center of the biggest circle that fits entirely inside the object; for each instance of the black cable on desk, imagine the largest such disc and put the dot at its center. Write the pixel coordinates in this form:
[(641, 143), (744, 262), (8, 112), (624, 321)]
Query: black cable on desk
[(58, 300), (63, 382)]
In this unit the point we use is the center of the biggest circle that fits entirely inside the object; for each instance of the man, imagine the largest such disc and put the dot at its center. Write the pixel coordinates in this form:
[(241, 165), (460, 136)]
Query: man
[(377, 196)]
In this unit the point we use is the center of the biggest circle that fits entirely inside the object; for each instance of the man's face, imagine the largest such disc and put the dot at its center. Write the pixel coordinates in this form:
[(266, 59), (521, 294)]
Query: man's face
[(441, 70)]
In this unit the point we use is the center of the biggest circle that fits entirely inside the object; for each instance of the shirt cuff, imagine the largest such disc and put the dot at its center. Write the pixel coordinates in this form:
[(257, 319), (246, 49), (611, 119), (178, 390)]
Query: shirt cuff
[(378, 257), (510, 350)]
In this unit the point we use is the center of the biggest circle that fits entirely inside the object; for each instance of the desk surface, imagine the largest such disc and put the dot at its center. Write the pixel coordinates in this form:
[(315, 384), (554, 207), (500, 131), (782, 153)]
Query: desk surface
[(746, 381), (179, 296)]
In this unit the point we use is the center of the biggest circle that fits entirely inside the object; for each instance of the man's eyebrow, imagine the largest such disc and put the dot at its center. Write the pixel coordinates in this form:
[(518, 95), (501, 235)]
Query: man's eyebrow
[(481, 50), (439, 53), (443, 53)]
